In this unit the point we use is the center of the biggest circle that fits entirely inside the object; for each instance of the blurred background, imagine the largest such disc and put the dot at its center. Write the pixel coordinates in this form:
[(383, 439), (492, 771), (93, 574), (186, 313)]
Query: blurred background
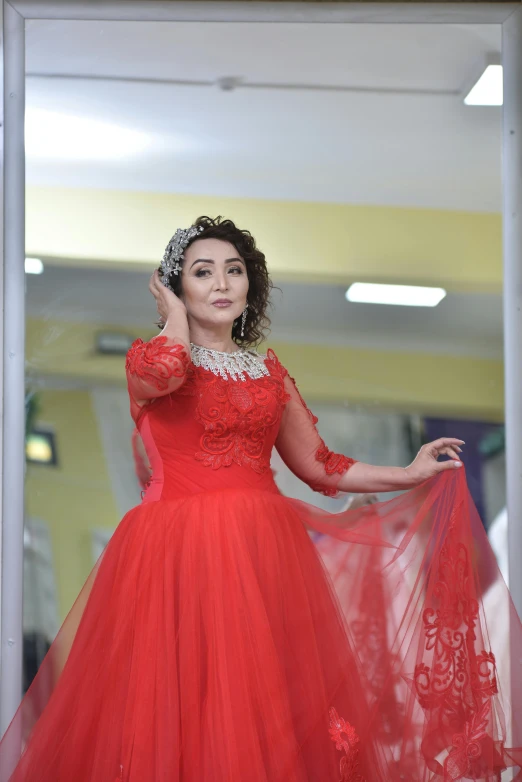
[(353, 153)]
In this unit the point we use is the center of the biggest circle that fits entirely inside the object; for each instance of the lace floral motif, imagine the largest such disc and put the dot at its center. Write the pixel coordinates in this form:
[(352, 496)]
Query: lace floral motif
[(458, 687), (236, 417), (370, 635), (346, 740), (333, 462), (155, 362)]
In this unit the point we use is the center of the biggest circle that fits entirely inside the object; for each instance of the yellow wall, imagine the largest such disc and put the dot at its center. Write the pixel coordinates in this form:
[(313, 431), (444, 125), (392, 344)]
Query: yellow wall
[(74, 497), (312, 242), (438, 385)]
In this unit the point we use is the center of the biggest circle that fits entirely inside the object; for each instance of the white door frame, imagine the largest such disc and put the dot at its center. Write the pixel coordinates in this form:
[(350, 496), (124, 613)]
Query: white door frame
[(12, 183)]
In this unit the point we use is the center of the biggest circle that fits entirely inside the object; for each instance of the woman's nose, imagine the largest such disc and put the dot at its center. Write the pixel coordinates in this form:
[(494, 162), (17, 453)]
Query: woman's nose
[(221, 282)]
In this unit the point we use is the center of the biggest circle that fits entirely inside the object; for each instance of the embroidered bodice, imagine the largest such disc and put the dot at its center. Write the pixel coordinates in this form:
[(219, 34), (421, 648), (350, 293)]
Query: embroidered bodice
[(203, 432)]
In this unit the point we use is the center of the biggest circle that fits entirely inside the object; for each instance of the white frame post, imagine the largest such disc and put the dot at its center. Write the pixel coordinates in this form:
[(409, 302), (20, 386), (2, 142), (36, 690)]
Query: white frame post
[(512, 240), (13, 414), (12, 417)]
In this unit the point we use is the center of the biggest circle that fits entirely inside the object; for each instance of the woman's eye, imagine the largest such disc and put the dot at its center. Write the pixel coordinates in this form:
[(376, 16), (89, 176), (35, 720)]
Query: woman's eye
[(236, 269), (202, 272)]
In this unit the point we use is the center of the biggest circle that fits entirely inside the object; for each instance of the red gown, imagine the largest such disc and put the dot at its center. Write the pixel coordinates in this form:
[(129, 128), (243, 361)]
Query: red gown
[(211, 644)]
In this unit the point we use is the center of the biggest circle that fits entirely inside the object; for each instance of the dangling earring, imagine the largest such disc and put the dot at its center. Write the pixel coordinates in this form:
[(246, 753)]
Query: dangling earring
[(243, 320)]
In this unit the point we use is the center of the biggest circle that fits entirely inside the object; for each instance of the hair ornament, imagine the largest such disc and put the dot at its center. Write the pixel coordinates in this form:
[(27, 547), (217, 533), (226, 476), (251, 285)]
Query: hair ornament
[(171, 263)]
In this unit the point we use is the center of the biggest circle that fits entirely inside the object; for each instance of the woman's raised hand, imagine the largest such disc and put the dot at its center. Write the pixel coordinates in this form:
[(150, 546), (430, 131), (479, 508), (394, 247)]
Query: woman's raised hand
[(426, 464), (167, 303)]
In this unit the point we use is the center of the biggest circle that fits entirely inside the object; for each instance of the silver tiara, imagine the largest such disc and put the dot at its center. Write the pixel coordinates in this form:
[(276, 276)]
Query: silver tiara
[(171, 263)]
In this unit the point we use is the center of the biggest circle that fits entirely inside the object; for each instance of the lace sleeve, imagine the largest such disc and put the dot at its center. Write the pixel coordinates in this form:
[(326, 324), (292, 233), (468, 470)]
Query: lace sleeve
[(301, 447), (156, 368)]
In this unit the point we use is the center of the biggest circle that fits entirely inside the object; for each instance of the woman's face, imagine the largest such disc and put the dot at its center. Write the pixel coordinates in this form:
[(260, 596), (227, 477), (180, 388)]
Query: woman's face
[(214, 282)]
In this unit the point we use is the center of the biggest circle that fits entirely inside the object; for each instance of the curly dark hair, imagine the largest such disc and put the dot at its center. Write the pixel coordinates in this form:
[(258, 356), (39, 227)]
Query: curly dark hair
[(257, 322)]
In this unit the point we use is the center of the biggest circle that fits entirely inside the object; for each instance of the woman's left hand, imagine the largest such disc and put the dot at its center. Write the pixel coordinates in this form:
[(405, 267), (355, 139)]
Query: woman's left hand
[(426, 463)]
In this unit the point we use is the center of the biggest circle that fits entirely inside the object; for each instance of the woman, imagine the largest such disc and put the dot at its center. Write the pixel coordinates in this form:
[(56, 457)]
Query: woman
[(210, 646)]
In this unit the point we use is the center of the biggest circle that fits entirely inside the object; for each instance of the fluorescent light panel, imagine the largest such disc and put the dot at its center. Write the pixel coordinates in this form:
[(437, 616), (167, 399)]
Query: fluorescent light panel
[(50, 135), (399, 295), (488, 90), (33, 266)]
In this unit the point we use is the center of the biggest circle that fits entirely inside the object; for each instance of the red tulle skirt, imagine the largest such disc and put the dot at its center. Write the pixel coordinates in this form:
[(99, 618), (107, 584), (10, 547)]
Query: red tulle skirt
[(214, 642)]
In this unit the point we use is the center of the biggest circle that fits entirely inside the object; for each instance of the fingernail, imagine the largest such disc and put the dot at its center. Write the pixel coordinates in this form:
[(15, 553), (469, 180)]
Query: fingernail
[(458, 464)]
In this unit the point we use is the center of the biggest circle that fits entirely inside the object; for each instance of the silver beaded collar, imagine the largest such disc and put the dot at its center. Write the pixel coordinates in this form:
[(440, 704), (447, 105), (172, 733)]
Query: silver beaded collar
[(229, 366)]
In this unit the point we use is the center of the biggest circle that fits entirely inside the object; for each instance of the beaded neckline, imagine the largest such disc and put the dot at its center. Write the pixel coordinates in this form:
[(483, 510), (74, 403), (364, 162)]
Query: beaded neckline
[(230, 366)]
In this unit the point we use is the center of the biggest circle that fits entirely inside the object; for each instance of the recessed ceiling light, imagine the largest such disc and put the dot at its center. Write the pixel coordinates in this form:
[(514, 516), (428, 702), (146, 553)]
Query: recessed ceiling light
[(33, 266), (487, 90), (51, 135), (400, 295)]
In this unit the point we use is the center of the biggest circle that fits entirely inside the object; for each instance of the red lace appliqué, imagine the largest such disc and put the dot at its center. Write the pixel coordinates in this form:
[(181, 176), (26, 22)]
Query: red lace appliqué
[(155, 362), (236, 416), (370, 634), (333, 462), (457, 688), (346, 740)]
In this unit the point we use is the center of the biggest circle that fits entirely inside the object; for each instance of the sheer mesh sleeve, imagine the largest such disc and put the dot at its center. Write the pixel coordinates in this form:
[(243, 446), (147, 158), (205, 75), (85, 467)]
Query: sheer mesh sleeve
[(302, 448), (156, 368)]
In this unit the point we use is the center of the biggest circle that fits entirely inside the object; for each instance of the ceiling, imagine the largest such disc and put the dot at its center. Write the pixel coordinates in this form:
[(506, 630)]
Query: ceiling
[(367, 114)]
